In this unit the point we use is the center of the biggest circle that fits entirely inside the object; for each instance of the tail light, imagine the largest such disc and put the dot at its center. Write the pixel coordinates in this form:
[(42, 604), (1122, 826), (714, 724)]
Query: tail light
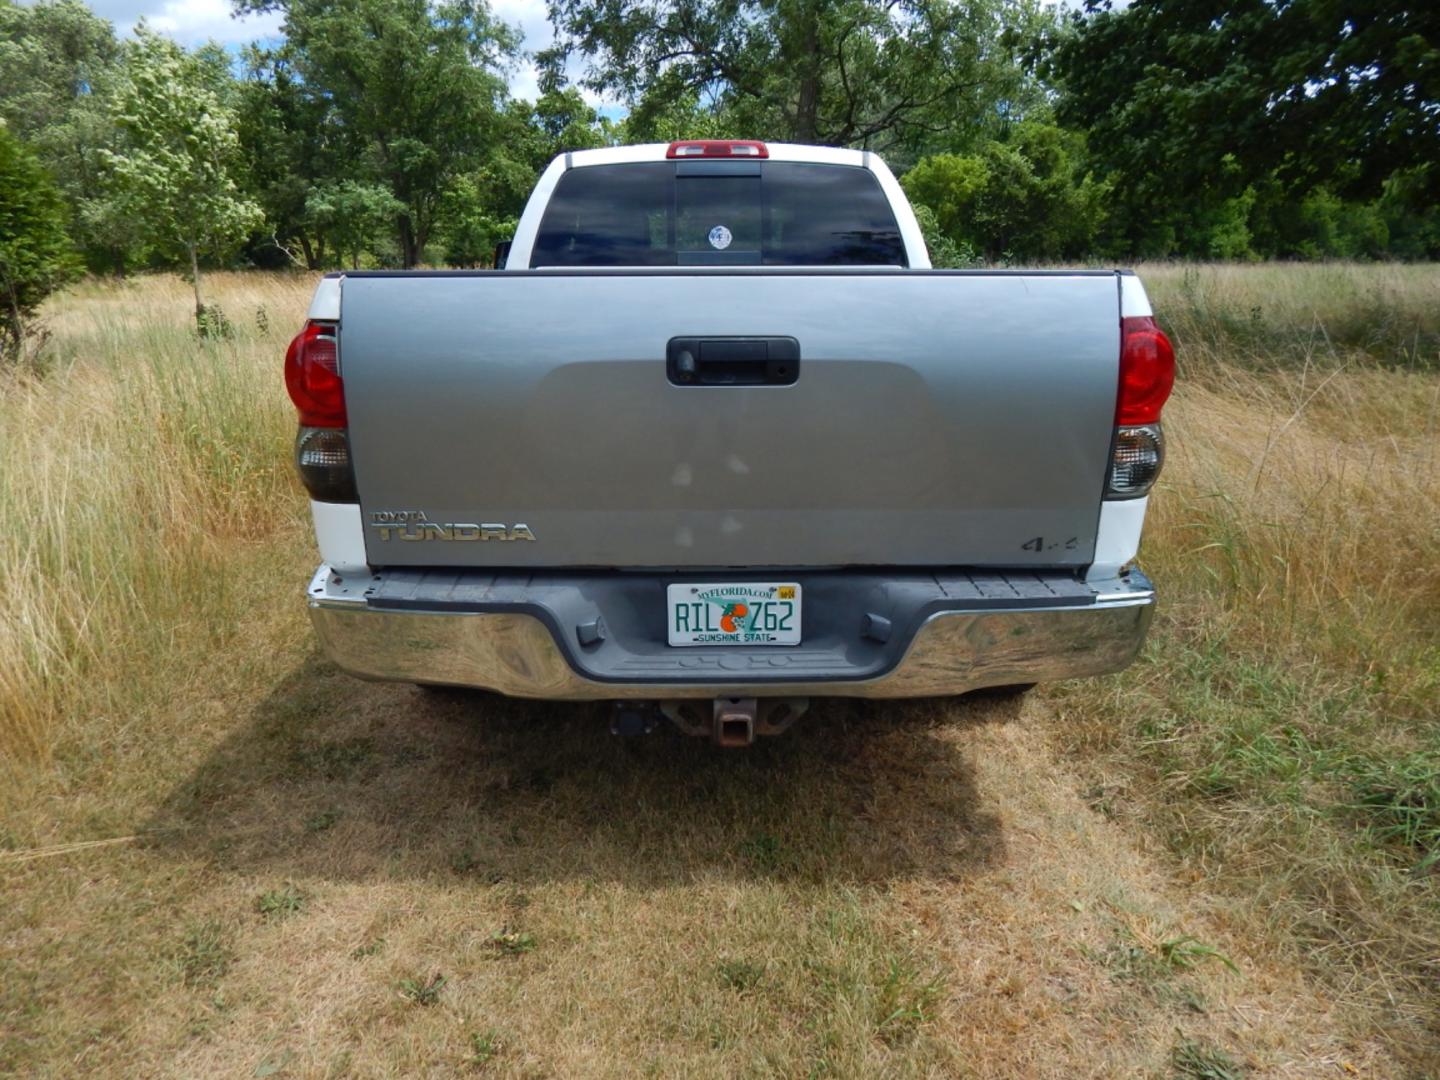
[(1147, 371), (323, 457), (1135, 460), (312, 375), (322, 447), (1147, 374), (713, 148)]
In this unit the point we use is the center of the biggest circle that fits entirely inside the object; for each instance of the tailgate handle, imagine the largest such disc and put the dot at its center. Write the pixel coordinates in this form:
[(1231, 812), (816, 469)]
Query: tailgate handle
[(733, 361)]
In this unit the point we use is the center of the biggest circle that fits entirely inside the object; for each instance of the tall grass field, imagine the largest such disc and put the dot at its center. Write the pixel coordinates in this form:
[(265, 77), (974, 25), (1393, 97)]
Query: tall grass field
[(220, 856)]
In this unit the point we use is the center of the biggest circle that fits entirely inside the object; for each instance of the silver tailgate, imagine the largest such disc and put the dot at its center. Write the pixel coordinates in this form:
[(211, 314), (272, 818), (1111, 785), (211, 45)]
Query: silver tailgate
[(939, 418)]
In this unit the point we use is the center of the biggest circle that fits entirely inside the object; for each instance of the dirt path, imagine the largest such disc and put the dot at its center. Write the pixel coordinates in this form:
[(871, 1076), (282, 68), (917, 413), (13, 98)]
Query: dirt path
[(911, 889)]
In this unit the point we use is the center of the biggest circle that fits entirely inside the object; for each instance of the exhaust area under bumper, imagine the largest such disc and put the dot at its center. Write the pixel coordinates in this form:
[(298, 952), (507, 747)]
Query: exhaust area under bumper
[(589, 638)]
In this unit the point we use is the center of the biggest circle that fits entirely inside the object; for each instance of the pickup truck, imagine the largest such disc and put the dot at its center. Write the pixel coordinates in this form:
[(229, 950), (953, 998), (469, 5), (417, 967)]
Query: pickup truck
[(717, 440)]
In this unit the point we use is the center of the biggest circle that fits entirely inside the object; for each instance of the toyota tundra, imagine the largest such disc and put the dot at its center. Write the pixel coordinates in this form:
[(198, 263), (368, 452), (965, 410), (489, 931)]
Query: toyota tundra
[(716, 440)]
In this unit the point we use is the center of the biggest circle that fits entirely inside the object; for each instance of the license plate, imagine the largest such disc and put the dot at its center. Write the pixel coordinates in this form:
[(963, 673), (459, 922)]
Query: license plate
[(743, 613)]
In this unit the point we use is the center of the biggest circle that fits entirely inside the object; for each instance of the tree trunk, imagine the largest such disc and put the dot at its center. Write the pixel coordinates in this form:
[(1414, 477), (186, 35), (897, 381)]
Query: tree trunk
[(807, 106), (409, 249), (10, 349), (195, 282), (309, 252)]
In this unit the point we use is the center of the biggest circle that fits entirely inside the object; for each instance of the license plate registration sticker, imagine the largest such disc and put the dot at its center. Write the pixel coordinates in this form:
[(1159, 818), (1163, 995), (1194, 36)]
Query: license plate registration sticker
[(743, 613)]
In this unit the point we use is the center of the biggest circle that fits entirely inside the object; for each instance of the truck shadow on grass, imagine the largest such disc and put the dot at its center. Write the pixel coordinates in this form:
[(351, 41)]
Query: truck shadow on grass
[(336, 778)]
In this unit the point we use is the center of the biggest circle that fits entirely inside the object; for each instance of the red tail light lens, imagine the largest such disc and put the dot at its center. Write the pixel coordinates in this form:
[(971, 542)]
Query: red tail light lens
[(1147, 371), (710, 148), (312, 375)]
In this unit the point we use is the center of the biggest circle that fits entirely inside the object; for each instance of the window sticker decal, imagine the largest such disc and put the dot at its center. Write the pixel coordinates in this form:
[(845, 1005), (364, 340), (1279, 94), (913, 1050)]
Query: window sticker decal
[(720, 237)]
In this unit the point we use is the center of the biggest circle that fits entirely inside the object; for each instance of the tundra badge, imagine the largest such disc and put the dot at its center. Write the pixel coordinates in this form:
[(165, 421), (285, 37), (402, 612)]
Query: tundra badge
[(413, 525)]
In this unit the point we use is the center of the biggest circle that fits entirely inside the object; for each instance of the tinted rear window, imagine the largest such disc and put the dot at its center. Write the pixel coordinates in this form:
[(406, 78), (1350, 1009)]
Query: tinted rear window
[(771, 213)]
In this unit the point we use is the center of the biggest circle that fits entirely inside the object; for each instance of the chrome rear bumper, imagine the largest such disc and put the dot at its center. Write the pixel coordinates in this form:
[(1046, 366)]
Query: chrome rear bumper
[(519, 653)]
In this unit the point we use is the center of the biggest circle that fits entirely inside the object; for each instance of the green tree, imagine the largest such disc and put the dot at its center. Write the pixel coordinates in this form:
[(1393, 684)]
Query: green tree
[(1027, 198), (58, 66), (292, 143), (1196, 96), (1221, 230), (482, 208), (35, 253), (1410, 233), (528, 137), (351, 214), (872, 73), (417, 86), (949, 186), (472, 229), (175, 170), (945, 253), (667, 113), (565, 122), (52, 54)]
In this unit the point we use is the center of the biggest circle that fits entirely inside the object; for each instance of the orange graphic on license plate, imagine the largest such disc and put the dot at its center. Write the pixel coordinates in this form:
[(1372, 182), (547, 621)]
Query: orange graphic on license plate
[(733, 612)]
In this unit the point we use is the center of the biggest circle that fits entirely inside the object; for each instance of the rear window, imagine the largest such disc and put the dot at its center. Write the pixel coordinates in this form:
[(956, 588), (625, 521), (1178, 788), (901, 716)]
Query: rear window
[(771, 213)]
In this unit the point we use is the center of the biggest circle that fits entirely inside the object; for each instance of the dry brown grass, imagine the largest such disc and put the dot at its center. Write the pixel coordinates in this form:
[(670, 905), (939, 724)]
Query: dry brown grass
[(930, 889), (134, 468), (1296, 537)]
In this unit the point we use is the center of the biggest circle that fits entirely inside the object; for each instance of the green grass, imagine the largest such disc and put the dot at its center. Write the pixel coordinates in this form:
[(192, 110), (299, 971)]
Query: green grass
[(322, 821), (421, 991), (205, 954), (1193, 1060), (512, 942), (281, 903), (1155, 961), (740, 975), (1398, 803), (484, 1047)]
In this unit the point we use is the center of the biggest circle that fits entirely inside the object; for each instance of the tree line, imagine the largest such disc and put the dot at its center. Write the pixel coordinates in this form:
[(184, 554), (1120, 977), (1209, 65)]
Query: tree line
[(381, 132)]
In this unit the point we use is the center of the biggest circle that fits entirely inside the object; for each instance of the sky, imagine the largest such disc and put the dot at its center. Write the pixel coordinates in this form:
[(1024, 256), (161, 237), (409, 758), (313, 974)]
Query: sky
[(192, 22)]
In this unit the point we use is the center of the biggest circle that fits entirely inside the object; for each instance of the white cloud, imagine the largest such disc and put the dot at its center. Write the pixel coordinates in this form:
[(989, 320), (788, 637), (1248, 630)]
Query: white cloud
[(530, 17), (192, 22)]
